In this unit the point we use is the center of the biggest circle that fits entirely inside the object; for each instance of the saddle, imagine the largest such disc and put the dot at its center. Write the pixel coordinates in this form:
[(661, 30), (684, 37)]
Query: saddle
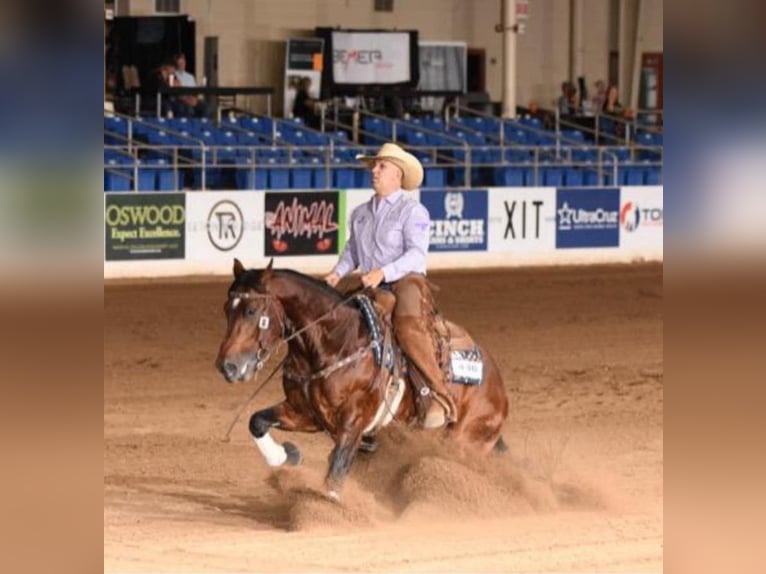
[(457, 352)]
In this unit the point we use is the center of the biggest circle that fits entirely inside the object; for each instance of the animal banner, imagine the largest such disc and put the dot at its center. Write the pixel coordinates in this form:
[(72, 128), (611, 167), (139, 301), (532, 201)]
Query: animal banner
[(301, 223)]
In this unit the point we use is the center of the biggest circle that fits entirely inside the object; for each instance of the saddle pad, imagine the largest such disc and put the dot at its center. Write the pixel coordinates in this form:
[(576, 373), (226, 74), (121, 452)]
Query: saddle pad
[(467, 366), (459, 339)]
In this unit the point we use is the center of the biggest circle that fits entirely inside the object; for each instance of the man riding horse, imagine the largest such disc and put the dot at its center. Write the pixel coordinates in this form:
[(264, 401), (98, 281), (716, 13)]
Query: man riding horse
[(389, 244)]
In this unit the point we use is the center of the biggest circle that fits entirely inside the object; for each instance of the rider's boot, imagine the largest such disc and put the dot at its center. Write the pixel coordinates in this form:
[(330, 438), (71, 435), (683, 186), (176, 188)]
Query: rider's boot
[(419, 345)]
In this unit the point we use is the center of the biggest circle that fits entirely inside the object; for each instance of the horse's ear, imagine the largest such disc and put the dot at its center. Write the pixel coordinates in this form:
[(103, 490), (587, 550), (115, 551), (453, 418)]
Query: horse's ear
[(239, 269), (267, 273)]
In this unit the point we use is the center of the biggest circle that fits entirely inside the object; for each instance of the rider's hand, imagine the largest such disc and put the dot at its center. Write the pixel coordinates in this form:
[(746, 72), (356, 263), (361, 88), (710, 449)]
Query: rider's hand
[(332, 279), (373, 278)]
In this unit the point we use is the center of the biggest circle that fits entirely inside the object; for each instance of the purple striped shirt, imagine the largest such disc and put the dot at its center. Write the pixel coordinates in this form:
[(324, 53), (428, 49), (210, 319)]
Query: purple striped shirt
[(392, 236)]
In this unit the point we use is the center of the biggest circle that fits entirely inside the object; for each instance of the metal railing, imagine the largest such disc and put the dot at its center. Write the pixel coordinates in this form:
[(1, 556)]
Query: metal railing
[(201, 162)]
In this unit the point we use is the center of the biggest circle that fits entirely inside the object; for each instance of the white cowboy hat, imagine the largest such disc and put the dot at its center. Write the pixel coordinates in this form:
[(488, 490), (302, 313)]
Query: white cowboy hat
[(412, 170)]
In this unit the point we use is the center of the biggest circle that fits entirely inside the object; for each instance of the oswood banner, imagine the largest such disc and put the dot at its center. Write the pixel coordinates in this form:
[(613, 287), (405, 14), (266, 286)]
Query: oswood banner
[(144, 226)]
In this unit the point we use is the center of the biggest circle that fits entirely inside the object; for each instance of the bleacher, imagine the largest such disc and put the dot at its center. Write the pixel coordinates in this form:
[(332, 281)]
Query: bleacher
[(259, 153)]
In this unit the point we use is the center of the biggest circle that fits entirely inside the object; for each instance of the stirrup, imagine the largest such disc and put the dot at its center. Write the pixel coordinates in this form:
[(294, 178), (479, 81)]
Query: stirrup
[(436, 416)]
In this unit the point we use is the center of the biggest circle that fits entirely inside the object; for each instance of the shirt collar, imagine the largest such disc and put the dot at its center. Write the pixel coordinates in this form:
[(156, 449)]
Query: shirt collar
[(392, 198)]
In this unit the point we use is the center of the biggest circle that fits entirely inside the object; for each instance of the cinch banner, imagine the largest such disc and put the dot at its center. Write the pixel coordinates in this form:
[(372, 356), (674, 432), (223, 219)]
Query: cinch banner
[(587, 217), (458, 219), (371, 57), (301, 223), (145, 226)]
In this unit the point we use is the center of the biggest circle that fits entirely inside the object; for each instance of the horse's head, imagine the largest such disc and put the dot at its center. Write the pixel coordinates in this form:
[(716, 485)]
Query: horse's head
[(255, 324)]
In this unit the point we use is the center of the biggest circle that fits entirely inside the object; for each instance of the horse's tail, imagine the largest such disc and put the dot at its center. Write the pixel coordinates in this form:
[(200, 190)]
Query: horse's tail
[(500, 446)]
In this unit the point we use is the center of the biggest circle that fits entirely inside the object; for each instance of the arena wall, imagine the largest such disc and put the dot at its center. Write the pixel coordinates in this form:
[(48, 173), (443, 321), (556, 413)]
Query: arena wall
[(252, 33), (199, 233)]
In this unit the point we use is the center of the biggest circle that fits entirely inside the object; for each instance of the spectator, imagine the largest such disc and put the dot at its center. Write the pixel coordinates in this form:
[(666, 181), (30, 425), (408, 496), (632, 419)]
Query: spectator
[(612, 105), (566, 102), (191, 105), (303, 107), (599, 95)]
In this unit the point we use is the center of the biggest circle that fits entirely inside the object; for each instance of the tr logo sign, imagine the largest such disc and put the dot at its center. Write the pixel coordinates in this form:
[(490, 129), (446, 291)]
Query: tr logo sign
[(225, 225)]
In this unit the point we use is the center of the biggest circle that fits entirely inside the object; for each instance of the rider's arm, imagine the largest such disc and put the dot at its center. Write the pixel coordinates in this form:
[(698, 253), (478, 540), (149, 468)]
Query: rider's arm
[(416, 238), (348, 260)]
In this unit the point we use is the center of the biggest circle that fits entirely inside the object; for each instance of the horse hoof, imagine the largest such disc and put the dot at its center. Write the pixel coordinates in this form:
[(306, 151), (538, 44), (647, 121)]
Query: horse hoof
[(294, 457), (369, 444)]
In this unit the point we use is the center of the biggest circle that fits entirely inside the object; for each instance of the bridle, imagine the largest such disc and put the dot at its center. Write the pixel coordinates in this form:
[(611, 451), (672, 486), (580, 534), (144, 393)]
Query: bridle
[(288, 333)]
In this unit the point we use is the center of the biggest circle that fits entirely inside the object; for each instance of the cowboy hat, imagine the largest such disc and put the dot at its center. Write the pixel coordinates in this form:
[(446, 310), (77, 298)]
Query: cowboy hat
[(412, 170)]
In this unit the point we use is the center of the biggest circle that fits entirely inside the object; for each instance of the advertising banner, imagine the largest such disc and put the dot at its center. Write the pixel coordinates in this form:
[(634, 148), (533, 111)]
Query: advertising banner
[(223, 225), (458, 219), (587, 217), (522, 219), (301, 223), (371, 57), (641, 217), (144, 226)]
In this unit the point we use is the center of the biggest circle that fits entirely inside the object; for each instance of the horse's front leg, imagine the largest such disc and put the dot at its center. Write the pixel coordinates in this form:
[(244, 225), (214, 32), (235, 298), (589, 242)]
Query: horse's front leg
[(282, 416), (347, 440)]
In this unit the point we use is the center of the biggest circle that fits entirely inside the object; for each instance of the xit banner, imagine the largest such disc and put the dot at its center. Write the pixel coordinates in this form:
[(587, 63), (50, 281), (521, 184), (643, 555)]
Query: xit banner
[(301, 223), (522, 219), (458, 219), (587, 217), (144, 226), (371, 57)]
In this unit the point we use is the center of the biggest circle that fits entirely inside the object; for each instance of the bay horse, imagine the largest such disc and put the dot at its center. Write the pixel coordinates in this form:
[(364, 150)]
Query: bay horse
[(335, 377)]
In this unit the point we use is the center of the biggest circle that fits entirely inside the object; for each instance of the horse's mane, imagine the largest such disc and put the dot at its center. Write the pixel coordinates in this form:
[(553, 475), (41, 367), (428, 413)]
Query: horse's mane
[(252, 277)]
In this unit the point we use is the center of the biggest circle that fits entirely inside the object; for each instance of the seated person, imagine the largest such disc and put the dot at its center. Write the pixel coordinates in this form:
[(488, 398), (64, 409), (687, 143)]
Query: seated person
[(187, 105), (303, 106), (566, 102)]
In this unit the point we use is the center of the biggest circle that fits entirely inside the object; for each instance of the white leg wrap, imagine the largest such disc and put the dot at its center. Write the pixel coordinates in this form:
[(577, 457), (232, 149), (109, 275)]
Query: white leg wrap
[(273, 452)]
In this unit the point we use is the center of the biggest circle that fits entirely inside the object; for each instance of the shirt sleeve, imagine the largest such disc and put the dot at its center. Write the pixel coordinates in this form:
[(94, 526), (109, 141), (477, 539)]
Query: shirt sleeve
[(348, 260), (416, 231)]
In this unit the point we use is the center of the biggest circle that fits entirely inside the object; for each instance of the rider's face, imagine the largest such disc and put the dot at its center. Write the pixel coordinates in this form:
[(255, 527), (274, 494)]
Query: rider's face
[(386, 177)]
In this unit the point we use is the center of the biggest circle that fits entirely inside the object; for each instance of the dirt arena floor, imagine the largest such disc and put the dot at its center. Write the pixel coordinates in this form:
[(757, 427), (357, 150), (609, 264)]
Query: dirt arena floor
[(580, 489)]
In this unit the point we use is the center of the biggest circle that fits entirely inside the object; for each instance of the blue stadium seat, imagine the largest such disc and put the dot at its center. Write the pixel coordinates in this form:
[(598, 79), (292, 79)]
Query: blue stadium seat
[(255, 124), (248, 176), (117, 178), (509, 176), (343, 178), (363, 178), (278, 177), (631, 175), (165, 176), (552, 177), (573, 177), (300, 175), (319, 175), (653, 176), (590, 177)]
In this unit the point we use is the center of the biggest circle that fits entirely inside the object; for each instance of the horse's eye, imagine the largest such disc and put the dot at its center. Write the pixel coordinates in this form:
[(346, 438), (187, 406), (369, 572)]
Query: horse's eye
[(249, 312)]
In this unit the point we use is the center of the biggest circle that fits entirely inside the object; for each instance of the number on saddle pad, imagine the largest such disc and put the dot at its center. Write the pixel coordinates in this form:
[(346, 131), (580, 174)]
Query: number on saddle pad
[(467, 367)]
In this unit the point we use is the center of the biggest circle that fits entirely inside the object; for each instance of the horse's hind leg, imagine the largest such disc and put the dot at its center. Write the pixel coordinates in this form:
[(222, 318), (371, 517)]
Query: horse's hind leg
[(282, 416)]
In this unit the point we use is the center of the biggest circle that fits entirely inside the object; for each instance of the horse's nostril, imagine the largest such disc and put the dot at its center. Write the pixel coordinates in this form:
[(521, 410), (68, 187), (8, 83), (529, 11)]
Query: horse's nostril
[(230, 370)]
